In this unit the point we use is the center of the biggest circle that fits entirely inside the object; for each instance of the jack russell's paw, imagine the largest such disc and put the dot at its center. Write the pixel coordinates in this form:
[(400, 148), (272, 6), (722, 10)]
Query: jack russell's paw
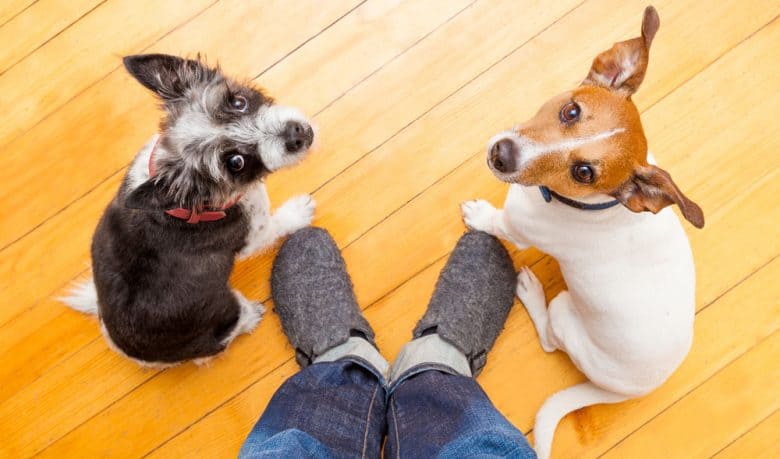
[(529, 289), (295, 214), (478, 215)]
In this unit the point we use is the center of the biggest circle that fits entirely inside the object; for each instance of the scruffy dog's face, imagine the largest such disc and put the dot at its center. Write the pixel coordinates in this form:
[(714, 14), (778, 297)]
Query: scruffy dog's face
[(218, 136)]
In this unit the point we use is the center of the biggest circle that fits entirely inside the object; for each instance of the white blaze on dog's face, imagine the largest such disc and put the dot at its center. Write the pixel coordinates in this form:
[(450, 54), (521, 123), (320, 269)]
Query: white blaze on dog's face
[(219, 136), (590, 141)]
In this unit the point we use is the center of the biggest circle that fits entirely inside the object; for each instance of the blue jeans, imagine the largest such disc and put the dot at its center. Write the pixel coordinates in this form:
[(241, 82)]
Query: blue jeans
[(344, 408)]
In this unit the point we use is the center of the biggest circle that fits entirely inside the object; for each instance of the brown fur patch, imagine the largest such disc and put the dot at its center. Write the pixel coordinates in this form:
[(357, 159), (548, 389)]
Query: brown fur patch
[(613, 159)]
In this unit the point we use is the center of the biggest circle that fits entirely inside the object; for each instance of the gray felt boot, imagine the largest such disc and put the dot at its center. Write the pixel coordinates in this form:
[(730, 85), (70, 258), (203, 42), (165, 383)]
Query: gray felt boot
[(473, 296), (313, 295)]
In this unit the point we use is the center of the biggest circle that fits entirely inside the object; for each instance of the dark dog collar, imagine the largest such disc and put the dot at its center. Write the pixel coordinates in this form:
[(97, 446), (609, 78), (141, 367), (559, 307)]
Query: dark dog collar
[(194, 215), (548, 195)]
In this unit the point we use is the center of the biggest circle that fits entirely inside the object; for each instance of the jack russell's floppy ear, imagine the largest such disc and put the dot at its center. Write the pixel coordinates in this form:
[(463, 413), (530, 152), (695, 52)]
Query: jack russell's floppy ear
[(149, 196), (622, 67), (651, 188), (168, 76)]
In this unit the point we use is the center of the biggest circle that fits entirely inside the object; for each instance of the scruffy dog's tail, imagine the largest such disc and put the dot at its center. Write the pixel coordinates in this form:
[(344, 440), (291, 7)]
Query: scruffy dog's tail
[(560, 404), (83, 297)]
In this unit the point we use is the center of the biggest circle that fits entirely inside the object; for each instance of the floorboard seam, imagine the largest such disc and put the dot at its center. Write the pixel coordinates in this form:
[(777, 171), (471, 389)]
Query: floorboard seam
[(3, 72), (686, 394)]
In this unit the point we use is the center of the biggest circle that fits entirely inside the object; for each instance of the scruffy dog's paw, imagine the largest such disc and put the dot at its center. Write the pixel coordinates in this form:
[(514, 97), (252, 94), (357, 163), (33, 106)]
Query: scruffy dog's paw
[(294, 214), (478, 215), (529, 289), (252, 317)]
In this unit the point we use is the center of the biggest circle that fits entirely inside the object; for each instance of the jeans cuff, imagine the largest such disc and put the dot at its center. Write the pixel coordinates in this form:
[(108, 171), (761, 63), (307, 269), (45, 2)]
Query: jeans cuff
[(429, 351), (359, 348)]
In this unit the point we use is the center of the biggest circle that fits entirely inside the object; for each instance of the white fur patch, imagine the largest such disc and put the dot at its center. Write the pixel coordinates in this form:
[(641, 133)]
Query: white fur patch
[(249, 317), (82, 298), (139, 170), (530, 150), (268, 125)]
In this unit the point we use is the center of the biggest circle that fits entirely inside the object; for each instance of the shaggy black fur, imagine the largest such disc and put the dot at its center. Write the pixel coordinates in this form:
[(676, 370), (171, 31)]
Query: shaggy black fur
[(163, 283)]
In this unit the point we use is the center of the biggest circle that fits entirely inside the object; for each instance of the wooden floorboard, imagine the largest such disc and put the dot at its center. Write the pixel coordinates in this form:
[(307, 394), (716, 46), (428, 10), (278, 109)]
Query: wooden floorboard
[(760, 442), (37, 25), (405, 94), (13, 8)]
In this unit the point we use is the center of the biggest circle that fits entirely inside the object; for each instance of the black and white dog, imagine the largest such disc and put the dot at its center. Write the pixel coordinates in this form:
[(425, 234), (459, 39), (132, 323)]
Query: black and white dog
[(191, 202)]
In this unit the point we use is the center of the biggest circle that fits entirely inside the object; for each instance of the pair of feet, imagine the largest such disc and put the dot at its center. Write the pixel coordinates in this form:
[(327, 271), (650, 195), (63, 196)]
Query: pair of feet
[(314, 298)]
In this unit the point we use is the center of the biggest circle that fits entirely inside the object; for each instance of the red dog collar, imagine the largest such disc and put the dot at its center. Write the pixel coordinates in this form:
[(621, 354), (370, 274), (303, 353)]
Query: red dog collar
[(193, 215)]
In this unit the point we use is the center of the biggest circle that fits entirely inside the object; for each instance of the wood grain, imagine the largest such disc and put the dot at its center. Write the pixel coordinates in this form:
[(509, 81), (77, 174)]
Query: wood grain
[(405, 94)]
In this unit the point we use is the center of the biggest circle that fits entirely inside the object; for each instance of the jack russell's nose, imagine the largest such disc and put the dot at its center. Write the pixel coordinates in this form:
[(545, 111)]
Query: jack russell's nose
[(297, 136), (502, 155)]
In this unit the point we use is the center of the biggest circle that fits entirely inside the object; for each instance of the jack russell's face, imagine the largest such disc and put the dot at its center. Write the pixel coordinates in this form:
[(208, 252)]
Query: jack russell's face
[(590, 141), (579, 143)]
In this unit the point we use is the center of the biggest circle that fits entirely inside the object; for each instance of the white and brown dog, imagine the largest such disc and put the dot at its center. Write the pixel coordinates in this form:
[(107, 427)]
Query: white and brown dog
[(192, 201), (582, 181)]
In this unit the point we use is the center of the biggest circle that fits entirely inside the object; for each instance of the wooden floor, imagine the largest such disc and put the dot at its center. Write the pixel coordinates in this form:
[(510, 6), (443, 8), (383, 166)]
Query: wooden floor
[(406, 95)]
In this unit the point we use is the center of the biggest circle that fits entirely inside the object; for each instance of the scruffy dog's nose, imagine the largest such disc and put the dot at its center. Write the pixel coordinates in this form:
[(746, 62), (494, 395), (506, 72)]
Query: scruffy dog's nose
[(297, 136), (502, 155)]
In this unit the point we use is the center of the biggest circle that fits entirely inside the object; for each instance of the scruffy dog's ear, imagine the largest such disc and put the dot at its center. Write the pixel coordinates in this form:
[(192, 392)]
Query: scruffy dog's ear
[(149, 196), (168, 76)]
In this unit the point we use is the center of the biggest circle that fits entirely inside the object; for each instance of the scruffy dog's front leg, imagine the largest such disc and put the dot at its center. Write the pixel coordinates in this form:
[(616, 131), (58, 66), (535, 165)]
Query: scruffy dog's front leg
[(265, 229)]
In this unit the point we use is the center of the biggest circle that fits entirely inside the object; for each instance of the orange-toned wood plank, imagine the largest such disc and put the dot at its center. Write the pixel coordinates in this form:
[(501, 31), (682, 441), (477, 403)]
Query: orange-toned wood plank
[(358, 46), (725, 406), (83, 54), (12, 8), (761, 442), (227, 427), (36, 25)]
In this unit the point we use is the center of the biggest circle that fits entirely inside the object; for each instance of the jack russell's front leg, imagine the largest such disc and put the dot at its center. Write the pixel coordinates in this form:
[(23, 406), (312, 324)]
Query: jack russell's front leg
[(480, 215), (264, 229), (531, 293)]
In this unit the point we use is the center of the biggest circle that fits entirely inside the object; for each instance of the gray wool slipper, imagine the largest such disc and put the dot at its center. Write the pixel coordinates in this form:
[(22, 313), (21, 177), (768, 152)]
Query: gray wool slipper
[(313, 295), (473, 296)]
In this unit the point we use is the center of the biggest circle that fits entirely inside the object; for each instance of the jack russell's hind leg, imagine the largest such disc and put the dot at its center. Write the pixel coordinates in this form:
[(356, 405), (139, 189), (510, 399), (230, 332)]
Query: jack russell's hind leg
[(480, 215), (531, 293)]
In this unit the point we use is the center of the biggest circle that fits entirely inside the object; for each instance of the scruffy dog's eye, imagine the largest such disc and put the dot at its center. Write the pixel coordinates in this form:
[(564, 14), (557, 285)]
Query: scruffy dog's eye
[(239, 103), (583, 173), (570, 112), (235, 163)]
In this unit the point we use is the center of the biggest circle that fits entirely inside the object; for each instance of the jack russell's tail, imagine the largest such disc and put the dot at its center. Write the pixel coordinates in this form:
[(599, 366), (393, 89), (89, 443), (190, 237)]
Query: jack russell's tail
[(83, 297), (560, 404)]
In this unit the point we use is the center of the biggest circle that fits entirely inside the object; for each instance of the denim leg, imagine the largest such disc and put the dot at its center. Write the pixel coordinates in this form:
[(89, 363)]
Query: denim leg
[(434, 412), (329, 409), (436, 409)]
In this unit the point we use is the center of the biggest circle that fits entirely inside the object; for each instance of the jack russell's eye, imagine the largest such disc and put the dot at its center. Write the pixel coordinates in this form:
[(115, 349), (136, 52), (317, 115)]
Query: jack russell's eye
[(570, 112), (235, 163), (583, 173), (239, 103)]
